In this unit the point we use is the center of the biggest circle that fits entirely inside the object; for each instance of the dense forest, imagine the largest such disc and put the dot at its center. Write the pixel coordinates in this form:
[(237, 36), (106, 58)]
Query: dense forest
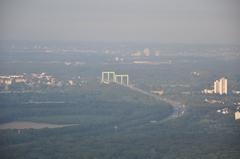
[(113, 123)]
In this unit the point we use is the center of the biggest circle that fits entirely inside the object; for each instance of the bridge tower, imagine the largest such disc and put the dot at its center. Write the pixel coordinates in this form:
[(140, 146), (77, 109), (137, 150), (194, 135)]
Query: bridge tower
[(112, 77), (108, 77)]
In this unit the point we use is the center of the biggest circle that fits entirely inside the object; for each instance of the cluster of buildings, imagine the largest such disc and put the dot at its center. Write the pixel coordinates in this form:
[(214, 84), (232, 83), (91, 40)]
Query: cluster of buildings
[(26, 81), (43, 78), (223, 111), (145, 52), (220, 86), (8, 80), (34, 80), (226, 111), (112, 77)]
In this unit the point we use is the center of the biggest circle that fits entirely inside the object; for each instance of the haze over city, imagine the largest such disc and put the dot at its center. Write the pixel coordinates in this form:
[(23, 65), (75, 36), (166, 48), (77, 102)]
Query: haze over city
[(126, 79), (158, 21)]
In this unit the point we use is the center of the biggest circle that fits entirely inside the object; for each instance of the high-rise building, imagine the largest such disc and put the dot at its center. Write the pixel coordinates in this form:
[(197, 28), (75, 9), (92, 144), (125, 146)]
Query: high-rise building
[(146, 52), (220, 86)]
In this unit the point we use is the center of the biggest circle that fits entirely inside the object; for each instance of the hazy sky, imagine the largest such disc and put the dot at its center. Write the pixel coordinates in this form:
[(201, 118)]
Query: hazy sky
[(164, 21)]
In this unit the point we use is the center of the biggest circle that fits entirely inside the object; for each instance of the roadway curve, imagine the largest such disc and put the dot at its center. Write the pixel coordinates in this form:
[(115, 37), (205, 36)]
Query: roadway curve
[(178, 108)]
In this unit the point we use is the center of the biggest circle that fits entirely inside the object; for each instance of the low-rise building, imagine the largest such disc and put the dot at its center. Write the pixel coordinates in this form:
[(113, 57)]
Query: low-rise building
[(208, 91), (223, 111), (20, 80), (7, 81), (71, 83), (159, 93), (235, 92), (213, 101), (237, 115)]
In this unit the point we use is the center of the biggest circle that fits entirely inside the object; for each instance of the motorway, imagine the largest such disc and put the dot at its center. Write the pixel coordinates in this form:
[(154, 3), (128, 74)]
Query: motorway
[(178, 108)]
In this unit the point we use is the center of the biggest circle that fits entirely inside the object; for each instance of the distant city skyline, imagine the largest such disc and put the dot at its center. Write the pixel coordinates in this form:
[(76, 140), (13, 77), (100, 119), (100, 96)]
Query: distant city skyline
[(161, 21)]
